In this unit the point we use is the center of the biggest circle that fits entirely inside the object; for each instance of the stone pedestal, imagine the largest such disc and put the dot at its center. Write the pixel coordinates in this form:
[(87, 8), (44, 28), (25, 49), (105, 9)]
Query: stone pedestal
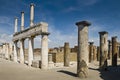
[(22, 51), (114, 51), (91, 51), (30, 50), (103, 50), (82, 54), (66, 55), (44, 51), (15, 52)]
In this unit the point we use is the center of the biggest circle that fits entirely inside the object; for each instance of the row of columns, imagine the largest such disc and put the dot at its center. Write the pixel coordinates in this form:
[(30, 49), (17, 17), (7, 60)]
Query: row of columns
[(44, 43), (6, 51)]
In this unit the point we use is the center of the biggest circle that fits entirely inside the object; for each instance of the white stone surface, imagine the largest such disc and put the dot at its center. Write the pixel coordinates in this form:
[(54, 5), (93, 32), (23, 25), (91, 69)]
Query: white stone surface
[(15, 52), (30, 51), (22, 21), (22, 51), (44, 52)]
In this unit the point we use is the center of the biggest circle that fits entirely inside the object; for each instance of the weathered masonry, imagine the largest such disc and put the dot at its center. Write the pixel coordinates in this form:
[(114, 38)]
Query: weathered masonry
[(30, 33)]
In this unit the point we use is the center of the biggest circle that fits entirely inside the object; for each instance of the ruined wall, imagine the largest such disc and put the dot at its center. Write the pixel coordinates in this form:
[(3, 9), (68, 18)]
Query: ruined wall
[(59, 57)]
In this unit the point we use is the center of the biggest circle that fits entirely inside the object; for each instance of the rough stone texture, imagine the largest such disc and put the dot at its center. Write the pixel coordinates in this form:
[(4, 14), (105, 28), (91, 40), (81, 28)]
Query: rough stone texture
[(66, 54), (59, 57), (30, 51), (94, 53), (44, 52), (98, 53), (22, 51), (103, 49), (91, 51), (15, 52), (114, 51), (109, 49), (36, 63), (82, 56)]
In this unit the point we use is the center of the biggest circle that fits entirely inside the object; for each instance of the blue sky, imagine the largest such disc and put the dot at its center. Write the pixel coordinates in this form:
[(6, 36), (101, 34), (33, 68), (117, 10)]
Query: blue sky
[(61, 15)]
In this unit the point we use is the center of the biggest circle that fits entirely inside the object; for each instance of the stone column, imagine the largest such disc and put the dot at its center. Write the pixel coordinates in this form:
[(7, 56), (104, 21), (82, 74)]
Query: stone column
[(31, 14), (30, 50), (7, 51), (10, 50), (119, 52), (103, 50), (50, 60), (98, 53), (109, 49), (94, 53), (22, 51), (44, 51), (66, 54), (22, 21), (16, 24), (114, 51), (15, 51), (91, 51), (82, 55)]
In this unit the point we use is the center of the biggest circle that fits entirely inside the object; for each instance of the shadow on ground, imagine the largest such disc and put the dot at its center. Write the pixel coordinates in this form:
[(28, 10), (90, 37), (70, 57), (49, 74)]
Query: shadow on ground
[(68, 73), (112, 73)]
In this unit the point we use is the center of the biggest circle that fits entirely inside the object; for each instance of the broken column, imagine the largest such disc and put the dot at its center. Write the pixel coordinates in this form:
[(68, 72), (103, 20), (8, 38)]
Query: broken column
[(114, 51), (82, 55), (91, 51), (66, 54), (103, 50), (109, 49)]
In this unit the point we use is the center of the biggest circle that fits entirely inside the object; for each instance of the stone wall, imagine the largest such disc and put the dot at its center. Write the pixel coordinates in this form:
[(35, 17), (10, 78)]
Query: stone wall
[(59, 57)]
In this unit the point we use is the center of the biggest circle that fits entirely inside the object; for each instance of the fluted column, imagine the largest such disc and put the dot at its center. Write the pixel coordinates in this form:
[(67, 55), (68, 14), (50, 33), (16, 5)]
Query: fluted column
[(82, 55), (103, 50)]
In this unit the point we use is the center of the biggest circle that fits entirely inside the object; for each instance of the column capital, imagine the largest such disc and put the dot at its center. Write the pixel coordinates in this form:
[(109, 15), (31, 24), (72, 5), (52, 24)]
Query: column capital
[(103, 32), (84, 23)]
